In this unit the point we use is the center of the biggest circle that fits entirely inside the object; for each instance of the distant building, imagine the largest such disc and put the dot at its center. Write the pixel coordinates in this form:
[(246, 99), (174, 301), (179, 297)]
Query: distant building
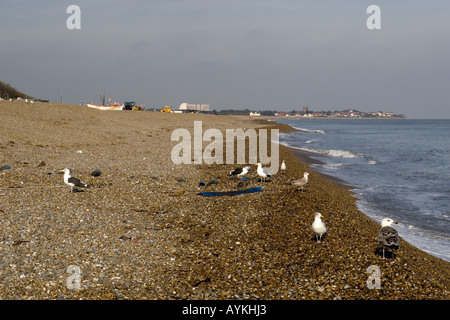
[(194, 107), (255, 114)]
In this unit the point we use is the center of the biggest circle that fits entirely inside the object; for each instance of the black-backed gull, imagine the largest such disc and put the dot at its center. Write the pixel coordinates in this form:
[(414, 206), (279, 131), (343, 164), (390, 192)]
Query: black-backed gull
[(240, 172), (73, 182)]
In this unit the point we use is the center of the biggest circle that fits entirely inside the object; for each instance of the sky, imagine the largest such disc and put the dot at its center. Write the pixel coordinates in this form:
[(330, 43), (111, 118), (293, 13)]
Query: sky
[(247, 54)]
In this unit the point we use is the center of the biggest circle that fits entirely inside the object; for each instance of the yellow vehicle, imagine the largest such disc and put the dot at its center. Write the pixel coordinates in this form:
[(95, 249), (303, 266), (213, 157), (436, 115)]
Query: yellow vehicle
[(166, 109)]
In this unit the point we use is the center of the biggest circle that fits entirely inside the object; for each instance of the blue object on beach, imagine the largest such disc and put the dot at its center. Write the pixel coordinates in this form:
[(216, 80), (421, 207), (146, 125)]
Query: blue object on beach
[(96, 173), (229, 193), (213, 181), (7, 167), (244, 178), (202, 184)]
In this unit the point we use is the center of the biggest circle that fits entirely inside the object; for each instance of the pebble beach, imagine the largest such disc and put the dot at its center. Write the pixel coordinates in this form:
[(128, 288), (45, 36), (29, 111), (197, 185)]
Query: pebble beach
[(142, 232)]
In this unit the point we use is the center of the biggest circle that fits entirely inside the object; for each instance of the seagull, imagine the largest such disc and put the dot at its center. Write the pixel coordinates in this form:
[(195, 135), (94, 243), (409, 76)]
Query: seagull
[(240, 172), (388, 236), (301, 182), (262, 172), (72, 181), (283, 167), (318, 227)]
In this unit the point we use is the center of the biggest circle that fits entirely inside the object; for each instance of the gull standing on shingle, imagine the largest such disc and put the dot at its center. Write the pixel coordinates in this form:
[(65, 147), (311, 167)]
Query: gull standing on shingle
[(73, 182), (283, 167), (263, 172), (318, 227), (388, 236), (301, 182)]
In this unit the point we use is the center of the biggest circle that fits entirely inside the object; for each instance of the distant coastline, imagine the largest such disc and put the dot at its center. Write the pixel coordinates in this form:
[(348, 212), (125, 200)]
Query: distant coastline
[(307, 114), (331, 117), (277, 118)]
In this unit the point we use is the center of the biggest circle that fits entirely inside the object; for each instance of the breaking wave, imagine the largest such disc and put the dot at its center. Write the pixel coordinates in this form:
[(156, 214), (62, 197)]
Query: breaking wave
[(335, 153), (309, 130)]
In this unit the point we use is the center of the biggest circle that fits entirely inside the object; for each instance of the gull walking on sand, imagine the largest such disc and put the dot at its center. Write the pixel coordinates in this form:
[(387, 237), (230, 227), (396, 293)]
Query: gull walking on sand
[(263, 172), (301, 182), (388, 236), (73, 182), (318, 227), (283, 167)]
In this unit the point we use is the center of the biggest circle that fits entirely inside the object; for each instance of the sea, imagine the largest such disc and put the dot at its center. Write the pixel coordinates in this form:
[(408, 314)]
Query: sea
[(397, 168)]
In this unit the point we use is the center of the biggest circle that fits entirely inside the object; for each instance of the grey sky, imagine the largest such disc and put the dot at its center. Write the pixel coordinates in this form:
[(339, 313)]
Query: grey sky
[(256, 54)]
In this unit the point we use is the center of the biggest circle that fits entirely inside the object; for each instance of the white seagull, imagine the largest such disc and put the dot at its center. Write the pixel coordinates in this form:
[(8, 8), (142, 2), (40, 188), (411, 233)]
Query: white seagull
[(73, 182), (240, 172), (301, 182), (318, 227), (262, 172), (283, 167), (388, 236)]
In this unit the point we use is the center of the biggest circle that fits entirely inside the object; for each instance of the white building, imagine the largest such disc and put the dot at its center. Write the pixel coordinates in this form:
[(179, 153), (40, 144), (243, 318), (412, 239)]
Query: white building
[(194, 107)]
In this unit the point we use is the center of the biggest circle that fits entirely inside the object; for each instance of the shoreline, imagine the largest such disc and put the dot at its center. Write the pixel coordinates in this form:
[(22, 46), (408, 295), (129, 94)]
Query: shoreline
[(302, 155), (142, 231), (308, 158)]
